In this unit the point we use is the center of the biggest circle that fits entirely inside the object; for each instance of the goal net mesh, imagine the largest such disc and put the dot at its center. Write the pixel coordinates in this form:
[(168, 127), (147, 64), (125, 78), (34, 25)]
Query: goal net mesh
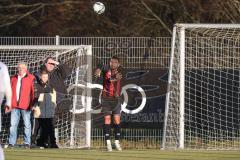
[(70, 129), (211, 89)]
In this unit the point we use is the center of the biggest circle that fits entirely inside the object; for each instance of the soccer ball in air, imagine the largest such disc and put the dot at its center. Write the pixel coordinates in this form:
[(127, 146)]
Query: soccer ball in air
[(99, 7)]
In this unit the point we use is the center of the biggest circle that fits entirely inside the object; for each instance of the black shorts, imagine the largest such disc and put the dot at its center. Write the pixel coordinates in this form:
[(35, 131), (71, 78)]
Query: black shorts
[(111, 106)]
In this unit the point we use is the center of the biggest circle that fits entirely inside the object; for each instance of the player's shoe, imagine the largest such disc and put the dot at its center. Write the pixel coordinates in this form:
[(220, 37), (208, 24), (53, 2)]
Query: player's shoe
[(109, 146), (117, 145)]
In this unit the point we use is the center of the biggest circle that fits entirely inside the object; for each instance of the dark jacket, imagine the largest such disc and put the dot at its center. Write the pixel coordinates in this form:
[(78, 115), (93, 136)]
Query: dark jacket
[(45, 99), (26, 95), (57, 77)]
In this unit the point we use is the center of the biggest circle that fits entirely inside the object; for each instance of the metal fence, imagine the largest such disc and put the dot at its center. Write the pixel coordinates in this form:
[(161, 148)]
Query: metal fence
[(153, 51), (138, 52)]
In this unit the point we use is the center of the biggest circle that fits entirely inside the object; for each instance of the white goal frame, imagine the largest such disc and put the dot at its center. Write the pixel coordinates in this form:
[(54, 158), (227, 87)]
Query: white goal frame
[(181, 47)]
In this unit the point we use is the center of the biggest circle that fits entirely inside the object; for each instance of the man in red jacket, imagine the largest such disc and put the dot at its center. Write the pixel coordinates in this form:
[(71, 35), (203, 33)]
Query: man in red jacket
[(22, 99)]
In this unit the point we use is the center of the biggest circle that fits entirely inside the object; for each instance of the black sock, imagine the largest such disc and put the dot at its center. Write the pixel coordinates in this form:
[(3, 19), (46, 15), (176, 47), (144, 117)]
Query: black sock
[(107, 129), (117, 131)]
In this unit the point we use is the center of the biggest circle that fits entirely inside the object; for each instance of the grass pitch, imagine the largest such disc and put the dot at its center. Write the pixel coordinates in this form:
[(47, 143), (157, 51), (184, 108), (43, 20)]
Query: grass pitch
[(67, 154)]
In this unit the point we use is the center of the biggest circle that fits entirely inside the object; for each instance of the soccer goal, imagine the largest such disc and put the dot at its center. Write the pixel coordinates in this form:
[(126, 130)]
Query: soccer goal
[(73, 128), (203, 100)]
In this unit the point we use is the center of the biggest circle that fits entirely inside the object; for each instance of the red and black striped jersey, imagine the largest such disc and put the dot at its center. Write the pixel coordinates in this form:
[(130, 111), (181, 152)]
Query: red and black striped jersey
[(111, 86)]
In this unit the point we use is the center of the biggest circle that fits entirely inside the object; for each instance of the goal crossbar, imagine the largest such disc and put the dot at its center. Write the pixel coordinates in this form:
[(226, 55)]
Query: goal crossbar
[(45, 47), (190, 25)]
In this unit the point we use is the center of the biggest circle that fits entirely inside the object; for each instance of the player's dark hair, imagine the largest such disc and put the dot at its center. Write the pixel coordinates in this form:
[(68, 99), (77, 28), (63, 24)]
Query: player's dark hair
[(115, 57)]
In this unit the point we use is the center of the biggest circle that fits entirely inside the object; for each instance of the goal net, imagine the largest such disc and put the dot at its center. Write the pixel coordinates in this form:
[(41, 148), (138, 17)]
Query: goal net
[(72, 127), (203, 100)]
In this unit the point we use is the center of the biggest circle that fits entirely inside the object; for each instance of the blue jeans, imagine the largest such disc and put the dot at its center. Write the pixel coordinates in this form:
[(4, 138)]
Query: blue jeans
[(15, 118)]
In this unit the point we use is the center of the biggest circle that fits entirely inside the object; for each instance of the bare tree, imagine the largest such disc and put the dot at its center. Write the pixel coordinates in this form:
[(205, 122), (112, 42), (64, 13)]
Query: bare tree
[(121, 18)]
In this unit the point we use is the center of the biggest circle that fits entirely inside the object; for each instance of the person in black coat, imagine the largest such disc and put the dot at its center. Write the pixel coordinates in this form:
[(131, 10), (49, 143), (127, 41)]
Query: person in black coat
[(57, 73)]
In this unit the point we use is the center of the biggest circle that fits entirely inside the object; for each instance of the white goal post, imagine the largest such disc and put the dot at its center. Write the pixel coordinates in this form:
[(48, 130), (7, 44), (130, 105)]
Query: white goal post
[(202, 109), (73, 129)]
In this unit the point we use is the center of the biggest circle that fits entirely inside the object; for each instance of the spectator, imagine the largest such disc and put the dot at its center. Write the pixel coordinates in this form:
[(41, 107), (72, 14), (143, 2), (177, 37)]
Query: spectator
[(45, 109), (22, 99), (57, 74)]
